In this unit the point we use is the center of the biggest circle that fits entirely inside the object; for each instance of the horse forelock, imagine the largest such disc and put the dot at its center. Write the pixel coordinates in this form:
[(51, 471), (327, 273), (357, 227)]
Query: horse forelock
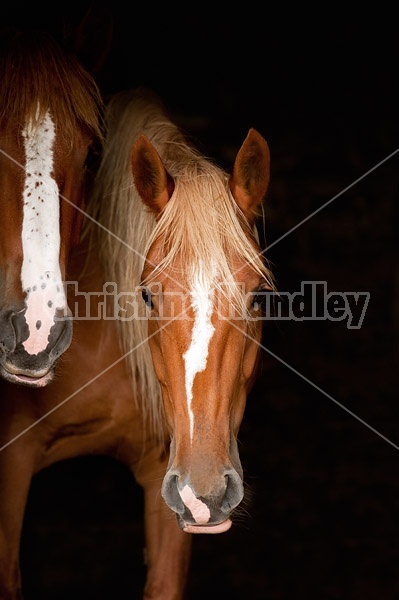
[(38, 76), (201, 230)]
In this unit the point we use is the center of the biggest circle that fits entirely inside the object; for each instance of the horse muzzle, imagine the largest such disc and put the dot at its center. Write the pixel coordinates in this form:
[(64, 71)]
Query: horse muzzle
[(19, 366), (200, 511)]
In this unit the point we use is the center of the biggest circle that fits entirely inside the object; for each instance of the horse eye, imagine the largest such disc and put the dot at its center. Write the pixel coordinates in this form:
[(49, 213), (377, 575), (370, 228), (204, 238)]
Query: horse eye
[(258, 302), (259, 299), (92, 159), (146, 295)]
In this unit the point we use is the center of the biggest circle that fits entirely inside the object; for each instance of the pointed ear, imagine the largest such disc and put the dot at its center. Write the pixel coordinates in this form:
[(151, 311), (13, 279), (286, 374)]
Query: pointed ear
[(91, 37), (152, 181), (251, 173)]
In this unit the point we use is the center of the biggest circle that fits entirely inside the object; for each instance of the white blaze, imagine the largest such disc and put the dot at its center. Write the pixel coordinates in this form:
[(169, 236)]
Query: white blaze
[(40, 274), (197, 354)]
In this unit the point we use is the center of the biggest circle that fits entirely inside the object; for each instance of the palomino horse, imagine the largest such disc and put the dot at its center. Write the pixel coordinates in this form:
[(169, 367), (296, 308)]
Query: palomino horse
[(50, 110), (166, 339)]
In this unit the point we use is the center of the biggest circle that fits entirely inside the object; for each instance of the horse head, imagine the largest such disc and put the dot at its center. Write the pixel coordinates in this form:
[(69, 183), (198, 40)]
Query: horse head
[(50, 111), (201, 288)]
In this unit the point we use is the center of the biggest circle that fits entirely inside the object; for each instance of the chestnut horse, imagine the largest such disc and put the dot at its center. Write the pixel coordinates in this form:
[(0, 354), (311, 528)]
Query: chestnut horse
[(166, 339), (50, 110)]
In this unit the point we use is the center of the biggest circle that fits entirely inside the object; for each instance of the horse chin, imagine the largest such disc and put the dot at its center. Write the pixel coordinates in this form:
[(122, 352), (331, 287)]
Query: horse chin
[(28, 380), (193, 528)]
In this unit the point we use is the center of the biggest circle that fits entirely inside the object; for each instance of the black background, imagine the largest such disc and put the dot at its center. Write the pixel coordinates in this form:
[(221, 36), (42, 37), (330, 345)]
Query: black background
[(321, 516)]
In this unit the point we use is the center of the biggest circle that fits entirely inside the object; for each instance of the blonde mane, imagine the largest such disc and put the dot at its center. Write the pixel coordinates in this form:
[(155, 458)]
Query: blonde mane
[(200, 226)]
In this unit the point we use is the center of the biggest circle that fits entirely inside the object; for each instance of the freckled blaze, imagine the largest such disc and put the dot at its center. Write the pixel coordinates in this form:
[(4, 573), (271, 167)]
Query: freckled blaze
[(40, 273)]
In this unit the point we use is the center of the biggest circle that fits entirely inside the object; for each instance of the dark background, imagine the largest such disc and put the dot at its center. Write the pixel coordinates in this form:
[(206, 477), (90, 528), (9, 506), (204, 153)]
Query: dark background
[(321, 517)]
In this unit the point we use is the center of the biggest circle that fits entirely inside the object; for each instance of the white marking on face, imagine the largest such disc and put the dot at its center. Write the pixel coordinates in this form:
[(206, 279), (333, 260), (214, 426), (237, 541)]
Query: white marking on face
[(40, 274), (198, 509), (197, 354)]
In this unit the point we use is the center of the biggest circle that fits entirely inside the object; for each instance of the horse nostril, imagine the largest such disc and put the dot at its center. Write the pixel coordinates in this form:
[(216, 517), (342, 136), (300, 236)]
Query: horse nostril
[(20, 327), (12, 330), (234, 492), (170, 493), (60, 337)]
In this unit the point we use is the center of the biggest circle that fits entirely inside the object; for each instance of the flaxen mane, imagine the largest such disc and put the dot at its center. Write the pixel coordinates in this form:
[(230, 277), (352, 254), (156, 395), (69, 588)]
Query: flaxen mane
[(37, 75), (201, 225)]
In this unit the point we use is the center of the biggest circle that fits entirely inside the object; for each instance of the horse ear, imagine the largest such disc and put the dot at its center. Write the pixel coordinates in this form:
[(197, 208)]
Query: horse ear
[(91, 37), (152, 181), (251, 173)]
